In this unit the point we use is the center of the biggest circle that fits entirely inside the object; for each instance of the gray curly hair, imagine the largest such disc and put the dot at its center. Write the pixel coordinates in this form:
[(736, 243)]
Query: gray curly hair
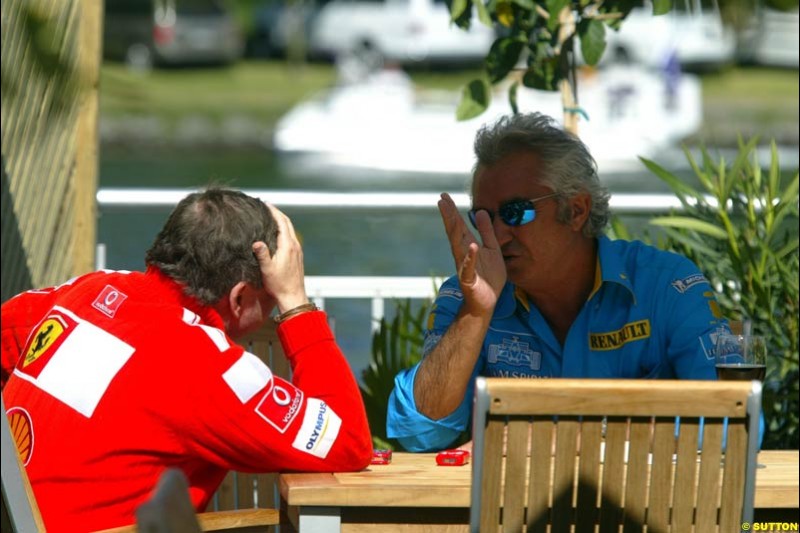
[(569, 168)]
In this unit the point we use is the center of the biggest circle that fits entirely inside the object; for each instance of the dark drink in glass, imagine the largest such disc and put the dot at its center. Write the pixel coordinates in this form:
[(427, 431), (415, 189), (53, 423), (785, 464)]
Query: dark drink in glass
[(741, 372), (741, 357)]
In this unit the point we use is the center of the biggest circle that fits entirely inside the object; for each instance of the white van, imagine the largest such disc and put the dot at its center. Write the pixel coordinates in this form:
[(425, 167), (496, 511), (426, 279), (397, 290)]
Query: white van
[(401, 31)]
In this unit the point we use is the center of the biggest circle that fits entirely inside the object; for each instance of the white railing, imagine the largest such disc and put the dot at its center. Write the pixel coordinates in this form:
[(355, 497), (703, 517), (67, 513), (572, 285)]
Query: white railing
[(628, 203), (375, 288)]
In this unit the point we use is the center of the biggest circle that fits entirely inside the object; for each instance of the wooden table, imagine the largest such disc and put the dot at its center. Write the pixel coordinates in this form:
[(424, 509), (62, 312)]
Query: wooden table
[(414, 495)]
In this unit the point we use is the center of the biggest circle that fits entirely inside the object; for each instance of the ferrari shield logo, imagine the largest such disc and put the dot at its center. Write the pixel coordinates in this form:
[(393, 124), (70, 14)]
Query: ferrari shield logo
[(48, 336)]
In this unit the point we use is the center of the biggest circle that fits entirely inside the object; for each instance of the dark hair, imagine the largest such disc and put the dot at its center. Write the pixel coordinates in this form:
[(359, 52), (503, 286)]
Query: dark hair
[(569, 168), (206, 243)]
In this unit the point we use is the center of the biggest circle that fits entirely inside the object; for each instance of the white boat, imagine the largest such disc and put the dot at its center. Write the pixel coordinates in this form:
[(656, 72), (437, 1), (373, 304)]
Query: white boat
[(385, 123)]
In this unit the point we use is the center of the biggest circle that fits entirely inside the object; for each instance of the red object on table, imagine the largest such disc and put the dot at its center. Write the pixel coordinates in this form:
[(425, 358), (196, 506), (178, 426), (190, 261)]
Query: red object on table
[(452, 458), (381, 457)]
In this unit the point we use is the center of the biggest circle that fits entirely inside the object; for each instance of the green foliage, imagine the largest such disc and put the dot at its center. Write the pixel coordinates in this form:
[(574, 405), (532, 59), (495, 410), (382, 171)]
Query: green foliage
[(474, 99), (543, 32), (396, 345), (740, 228)]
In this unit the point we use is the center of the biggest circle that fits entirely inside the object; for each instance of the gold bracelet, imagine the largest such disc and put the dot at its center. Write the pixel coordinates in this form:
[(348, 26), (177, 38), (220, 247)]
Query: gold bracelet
[(300, 309)]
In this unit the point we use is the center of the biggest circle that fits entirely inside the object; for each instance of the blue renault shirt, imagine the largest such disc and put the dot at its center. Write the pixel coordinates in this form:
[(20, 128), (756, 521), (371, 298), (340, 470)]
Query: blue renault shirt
[(651, 314)]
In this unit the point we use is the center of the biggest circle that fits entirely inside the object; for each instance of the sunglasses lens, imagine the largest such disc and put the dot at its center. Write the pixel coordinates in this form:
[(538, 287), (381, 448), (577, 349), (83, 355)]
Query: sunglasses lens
[(517, 213)]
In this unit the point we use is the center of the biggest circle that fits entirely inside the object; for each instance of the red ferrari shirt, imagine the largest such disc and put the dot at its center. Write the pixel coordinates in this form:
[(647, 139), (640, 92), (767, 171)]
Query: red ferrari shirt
[(113, 377)]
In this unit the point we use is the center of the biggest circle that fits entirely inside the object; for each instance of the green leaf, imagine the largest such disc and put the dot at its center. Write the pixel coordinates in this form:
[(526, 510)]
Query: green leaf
[(740, 164), (788, 248), (502, 57), (674, 182), (457, 8), (593, 40), (554, 7), (543, 70), (660, 7), (483, 13), (690, 223), (696, 245), (526, 4), (475, 98), (774, 170), (790, 194)]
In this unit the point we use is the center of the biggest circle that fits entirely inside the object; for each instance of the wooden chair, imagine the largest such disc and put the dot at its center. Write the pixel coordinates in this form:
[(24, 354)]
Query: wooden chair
[(575, 454)]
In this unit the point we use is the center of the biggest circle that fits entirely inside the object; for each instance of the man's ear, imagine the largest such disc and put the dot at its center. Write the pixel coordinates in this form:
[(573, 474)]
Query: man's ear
[(236, 299), (581, 208)]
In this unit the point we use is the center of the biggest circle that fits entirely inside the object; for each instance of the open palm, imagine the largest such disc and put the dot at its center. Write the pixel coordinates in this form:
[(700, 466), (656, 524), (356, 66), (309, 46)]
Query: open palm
[(481, 270)]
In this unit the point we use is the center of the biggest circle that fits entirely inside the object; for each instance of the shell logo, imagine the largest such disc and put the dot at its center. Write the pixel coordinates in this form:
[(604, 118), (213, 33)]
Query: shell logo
[(22, 432)]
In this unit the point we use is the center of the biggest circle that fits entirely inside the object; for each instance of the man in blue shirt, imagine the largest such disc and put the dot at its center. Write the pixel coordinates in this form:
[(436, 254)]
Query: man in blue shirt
[(544, 293)]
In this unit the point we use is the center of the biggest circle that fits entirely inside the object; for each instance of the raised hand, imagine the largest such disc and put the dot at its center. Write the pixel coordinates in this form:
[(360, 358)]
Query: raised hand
[(480, 266), (283, 274)]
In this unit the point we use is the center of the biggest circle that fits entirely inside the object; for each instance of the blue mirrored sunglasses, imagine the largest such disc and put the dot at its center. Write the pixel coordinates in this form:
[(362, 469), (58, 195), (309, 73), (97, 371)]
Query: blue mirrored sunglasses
[(513, 213)]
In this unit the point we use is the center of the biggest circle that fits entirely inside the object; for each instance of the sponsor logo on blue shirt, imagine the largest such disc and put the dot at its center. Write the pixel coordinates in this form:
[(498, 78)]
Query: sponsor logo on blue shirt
[(516, 353), (612, 340), (683, 285)]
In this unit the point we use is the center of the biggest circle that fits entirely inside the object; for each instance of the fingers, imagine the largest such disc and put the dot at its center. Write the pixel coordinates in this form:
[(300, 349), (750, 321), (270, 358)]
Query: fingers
[(261, 252), (467, 273), (282, 272), (285, 226), (486, 231), (458, 233)]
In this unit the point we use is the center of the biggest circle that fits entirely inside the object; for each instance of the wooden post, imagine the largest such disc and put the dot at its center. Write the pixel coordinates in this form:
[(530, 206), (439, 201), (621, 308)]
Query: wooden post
[(567, 31), (84, 179)]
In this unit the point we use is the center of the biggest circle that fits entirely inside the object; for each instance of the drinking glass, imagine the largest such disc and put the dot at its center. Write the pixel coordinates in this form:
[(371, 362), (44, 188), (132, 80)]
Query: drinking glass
[(741, 357)]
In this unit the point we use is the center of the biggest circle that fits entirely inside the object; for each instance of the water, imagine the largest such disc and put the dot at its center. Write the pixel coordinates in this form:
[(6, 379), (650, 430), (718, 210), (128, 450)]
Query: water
[(335, 242)]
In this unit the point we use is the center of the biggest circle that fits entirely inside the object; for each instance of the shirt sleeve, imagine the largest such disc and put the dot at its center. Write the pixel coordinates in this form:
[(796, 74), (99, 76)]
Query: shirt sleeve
[(247, 419), (693, 321), (415, 431)]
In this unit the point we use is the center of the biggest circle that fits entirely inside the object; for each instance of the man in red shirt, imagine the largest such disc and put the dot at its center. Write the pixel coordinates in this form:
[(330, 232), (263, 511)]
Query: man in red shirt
[(113, 377)]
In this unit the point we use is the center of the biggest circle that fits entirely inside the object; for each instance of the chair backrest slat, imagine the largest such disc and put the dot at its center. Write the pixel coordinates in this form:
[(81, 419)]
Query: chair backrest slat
[(613, 473), (733, 477), (589, 474), (637, 474), (542, 438), (661, 476), (565, 455), (516, 470), (564, 473), (491, 483), (708, 492), (685, 493)]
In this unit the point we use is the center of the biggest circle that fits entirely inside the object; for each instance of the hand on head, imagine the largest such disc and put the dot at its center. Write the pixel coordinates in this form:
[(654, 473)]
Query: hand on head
[(480, 266), (283, 274)]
